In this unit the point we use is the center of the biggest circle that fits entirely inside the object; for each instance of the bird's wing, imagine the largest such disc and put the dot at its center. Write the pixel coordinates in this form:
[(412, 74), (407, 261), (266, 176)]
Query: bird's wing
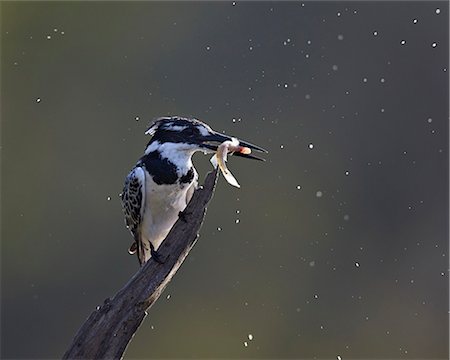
[(133, 204)]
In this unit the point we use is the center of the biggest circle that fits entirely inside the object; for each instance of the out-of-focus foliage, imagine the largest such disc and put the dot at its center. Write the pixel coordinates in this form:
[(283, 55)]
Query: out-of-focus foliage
[(336, 246)]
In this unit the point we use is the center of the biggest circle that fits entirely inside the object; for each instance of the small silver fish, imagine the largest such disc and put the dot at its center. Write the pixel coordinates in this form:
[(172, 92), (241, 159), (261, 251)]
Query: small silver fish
[(220, 158)]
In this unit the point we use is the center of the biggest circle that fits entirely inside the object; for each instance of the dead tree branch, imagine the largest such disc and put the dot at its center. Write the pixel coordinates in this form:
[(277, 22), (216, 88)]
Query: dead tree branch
[(109, 329)]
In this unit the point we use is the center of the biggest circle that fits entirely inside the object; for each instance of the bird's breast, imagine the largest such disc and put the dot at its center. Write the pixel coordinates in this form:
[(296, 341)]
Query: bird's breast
[(163, 204)]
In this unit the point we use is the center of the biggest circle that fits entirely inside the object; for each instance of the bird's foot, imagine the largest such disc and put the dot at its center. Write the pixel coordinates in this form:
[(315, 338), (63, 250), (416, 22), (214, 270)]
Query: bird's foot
[(182, 215), (156, 256)]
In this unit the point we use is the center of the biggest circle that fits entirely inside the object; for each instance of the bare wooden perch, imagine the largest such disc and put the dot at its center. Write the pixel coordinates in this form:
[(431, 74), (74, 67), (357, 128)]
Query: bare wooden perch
[(109, 329)]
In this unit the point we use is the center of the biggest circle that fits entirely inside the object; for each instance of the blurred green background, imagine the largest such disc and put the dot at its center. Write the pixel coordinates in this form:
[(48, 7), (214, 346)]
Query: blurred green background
[(336, 246)]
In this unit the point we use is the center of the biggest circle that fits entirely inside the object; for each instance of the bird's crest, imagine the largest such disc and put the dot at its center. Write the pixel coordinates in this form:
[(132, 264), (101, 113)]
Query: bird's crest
[(175, 123)]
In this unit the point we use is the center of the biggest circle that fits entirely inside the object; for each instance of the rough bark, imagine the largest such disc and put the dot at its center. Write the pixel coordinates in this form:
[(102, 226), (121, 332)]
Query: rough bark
[(109, 329)]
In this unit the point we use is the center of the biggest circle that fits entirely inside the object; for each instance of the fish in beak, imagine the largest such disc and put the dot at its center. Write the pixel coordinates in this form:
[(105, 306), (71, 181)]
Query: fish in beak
[(224, 144), (214, 139)]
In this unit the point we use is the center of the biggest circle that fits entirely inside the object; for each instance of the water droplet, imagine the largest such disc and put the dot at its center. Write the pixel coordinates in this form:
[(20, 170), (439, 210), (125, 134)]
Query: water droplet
[(237, 221), (415, 21), (319, 194), (49, 37), (250, 337), (108, 198), (311, 146), (430, 120), (340, 37), (438, 11), (312, 263), (382, 80), (136, 118), (285, 86), (281, 146), (38, 100), (365, 80), (434, 44), (298, 187), (208, 47), (357, 264), (219, 229), (245, 343), (375, 33), (168, 297), (403, 42), (347, 173), (334, 67)]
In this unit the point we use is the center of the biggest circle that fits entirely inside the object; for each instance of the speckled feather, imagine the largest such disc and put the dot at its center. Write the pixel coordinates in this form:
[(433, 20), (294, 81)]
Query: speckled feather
[(133, 201)]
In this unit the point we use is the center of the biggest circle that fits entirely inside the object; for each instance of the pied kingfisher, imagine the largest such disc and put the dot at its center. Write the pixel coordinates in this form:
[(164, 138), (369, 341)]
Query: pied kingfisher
[(163, 181)]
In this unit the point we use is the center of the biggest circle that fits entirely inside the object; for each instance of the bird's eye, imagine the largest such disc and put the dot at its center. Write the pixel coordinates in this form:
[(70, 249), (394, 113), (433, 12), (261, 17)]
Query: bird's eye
[(188, 131)]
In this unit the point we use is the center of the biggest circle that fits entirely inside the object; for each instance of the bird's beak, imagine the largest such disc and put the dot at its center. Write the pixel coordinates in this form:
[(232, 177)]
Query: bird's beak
[(213, 140)]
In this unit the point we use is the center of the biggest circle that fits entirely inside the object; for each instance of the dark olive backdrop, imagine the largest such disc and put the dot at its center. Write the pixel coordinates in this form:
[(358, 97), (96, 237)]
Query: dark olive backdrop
[(336, 246)]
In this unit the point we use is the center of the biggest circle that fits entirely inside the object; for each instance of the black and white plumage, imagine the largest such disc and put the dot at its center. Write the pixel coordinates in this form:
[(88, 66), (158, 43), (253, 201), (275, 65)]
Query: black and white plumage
[(164, 179)]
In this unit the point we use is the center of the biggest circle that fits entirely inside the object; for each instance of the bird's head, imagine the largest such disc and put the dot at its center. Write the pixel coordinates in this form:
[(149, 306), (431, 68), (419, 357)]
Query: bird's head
[(190, 135)]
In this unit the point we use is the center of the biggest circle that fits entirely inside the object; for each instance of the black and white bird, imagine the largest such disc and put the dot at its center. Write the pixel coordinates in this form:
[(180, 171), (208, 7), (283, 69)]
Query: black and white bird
[(163, 181)]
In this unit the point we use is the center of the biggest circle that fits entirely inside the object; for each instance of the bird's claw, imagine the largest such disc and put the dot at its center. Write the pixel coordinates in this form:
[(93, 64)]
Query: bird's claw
[(155, 255), (182, 216)]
